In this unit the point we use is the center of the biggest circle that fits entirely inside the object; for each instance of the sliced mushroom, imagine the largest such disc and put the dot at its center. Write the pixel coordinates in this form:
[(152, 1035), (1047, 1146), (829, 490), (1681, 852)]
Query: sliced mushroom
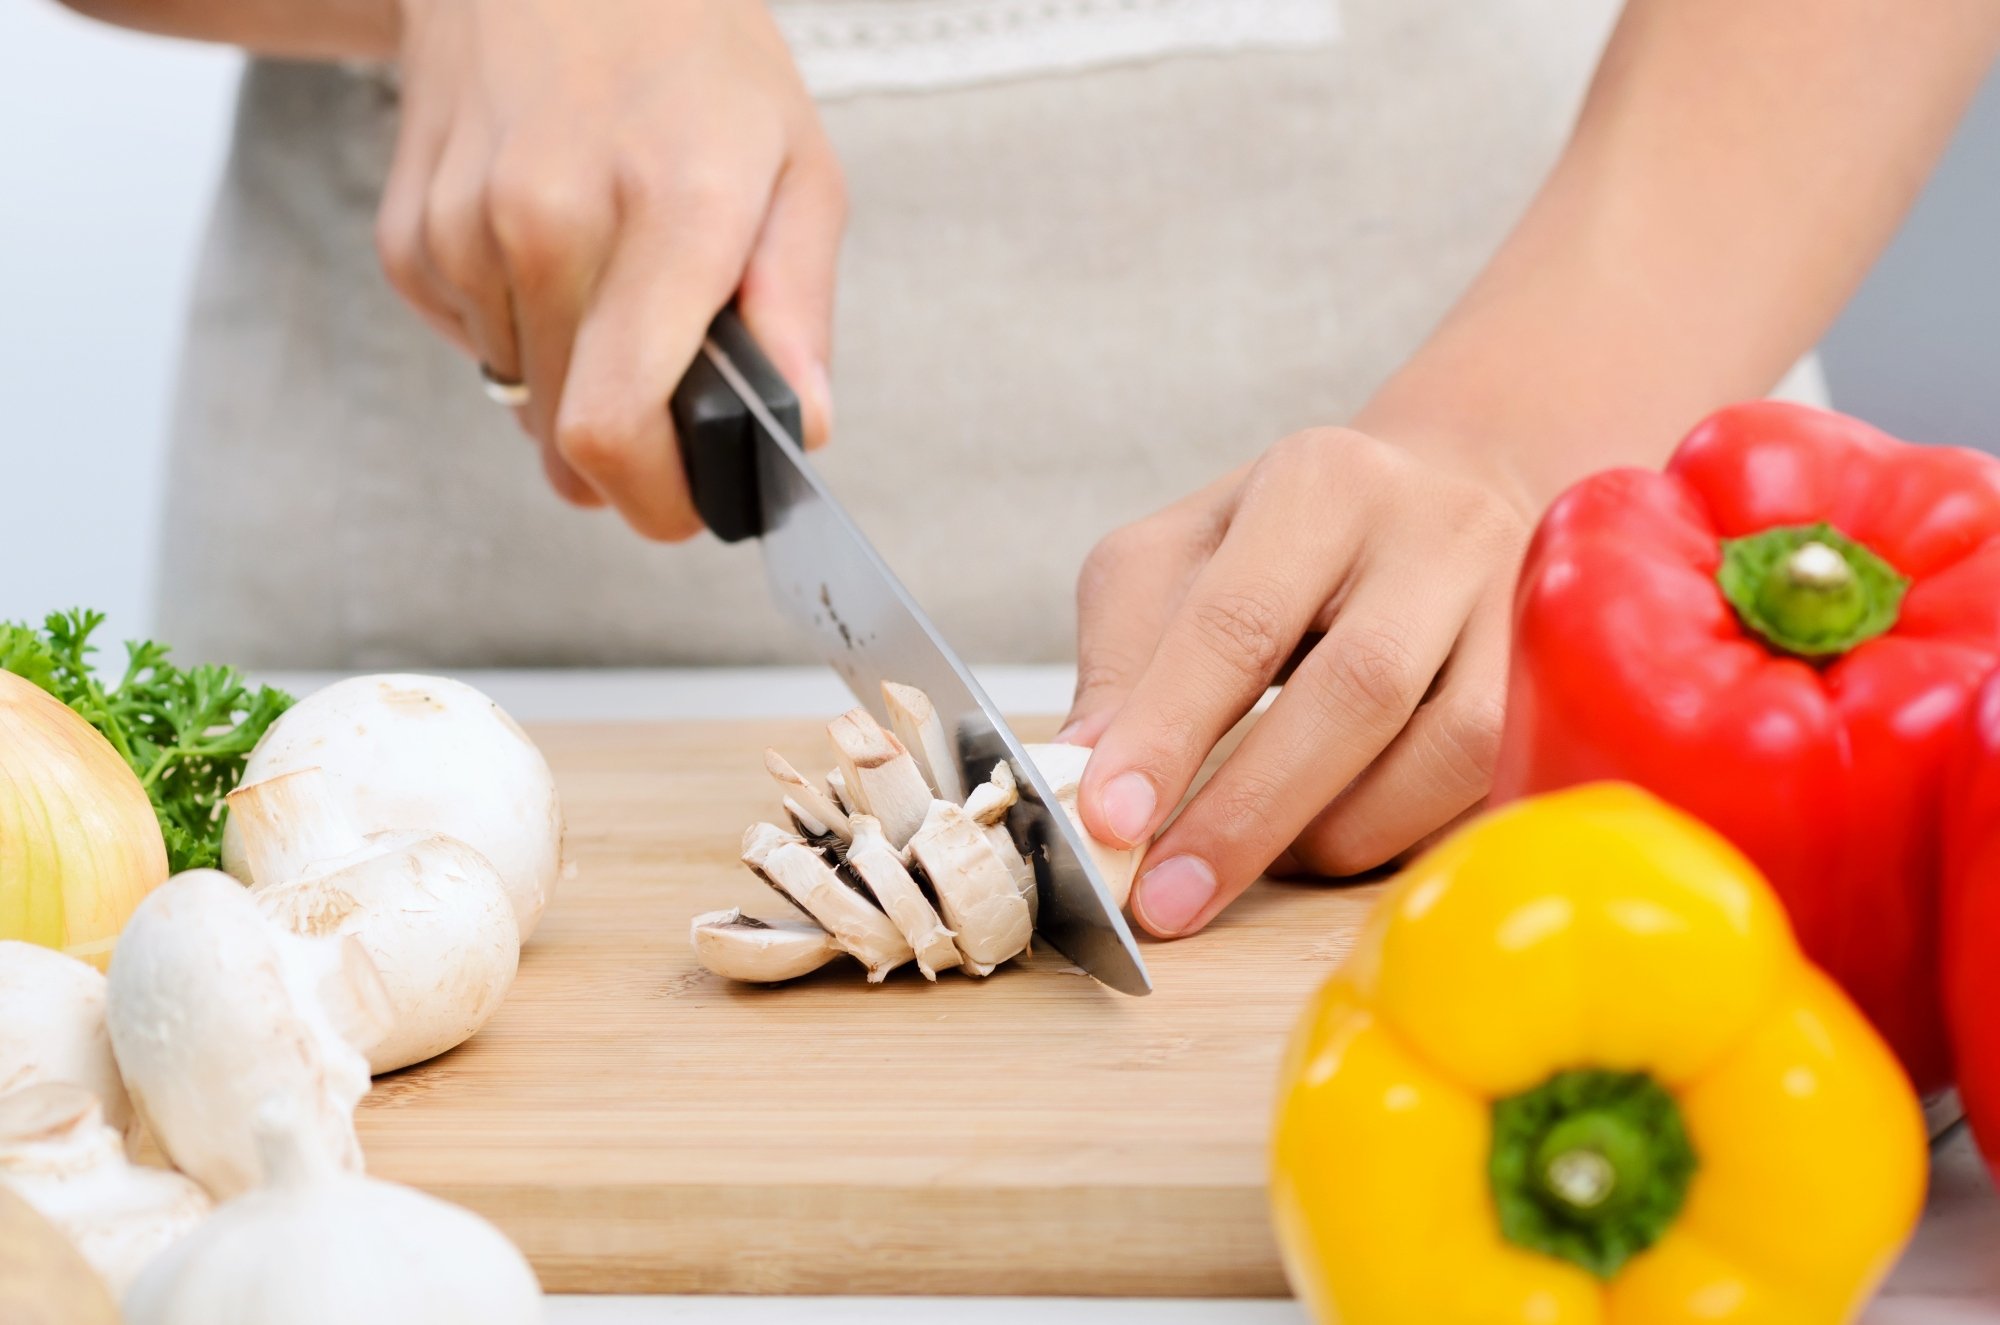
[(1063, 766), (740, 947), (811, 803), (916, 723), (988, 805), (803, 877), (975, 887), (836, 787), (881, 867), (880, 776)]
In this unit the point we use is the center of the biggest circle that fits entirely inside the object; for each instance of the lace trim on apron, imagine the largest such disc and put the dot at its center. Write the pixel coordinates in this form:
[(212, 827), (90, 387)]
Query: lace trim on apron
[(845, 47)]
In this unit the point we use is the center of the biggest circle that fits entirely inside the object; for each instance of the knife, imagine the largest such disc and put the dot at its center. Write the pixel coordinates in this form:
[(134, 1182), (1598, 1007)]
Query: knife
[(738, 423)]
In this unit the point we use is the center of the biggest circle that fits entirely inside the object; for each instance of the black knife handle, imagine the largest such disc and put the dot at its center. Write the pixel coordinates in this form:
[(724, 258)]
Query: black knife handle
[(717, 434)]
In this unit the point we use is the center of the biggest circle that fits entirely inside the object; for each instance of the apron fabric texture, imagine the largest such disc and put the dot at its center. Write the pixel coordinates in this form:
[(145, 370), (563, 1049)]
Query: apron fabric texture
[(1072, 292)]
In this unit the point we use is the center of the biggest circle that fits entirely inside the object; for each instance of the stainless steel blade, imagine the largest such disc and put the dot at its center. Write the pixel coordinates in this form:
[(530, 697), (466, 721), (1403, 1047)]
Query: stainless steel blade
[(827, 578)]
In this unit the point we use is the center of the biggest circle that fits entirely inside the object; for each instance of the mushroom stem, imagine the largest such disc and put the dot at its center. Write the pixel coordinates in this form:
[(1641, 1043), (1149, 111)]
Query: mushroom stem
[(917, 725), (290, 823)]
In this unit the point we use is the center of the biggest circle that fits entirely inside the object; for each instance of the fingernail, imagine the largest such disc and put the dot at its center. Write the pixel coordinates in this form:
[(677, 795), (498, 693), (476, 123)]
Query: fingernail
[(1067, 736), (1174, 892), (1128, 801), (819, 390)]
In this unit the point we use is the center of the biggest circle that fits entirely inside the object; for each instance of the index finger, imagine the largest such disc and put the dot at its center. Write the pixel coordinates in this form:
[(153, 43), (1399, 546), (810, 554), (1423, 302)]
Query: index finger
[(1277, 565), (667, 277)]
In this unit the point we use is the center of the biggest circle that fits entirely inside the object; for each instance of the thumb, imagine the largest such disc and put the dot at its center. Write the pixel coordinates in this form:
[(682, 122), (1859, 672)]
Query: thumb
[(788, 286)]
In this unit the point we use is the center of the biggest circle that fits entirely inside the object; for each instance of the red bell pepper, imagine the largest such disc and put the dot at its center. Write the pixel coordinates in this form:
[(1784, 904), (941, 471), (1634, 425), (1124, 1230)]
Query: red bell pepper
[(1971, 940), (1781, 634)]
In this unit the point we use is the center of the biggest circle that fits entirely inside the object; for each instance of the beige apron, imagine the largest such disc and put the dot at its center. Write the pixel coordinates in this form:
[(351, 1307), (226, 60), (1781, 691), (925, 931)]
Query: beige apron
[(1071, 293)]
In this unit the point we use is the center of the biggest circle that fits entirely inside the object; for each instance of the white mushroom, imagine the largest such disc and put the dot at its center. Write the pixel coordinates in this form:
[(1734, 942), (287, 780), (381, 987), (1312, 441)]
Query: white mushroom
[(988, 805), (740, 947), (315, 1246), (836, 788), (52, 1027), (423, 754), (802, 876), (975, 887), (881, 867), (429, 910), (915, 721), (1062, 766), (57, 1154), (214, 1009), (803, 800), (879, 775)]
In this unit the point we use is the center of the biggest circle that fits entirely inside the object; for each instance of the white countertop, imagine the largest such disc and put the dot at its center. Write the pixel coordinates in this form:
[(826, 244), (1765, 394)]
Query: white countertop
[(1949, 1276)]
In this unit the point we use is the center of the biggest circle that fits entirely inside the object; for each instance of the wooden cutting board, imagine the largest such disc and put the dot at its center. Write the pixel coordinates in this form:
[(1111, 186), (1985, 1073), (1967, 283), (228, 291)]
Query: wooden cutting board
[(637, 1125)]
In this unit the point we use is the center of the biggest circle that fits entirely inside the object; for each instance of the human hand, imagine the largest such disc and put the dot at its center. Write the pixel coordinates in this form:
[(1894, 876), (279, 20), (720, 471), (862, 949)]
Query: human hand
[(579, 186), (1387, 728)]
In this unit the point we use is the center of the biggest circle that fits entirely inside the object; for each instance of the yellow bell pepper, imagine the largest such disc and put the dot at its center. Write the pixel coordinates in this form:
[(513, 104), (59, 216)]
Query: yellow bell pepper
[(1577, 1072)]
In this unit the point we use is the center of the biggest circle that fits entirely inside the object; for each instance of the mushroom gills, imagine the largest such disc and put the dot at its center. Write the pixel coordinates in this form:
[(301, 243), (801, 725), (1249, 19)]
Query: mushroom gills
[(804, 878)]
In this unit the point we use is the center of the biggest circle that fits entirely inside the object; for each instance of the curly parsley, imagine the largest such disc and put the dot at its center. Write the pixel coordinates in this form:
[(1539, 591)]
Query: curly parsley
[(186, 733)]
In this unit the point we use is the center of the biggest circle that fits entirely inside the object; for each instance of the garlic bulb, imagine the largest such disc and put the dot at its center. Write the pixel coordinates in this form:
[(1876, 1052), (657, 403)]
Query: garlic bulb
[(58, 1156), (52, 1027), (79, 843), (316, 1246), (44, 1280), (423, 754), (429, 910), (214, 1009)]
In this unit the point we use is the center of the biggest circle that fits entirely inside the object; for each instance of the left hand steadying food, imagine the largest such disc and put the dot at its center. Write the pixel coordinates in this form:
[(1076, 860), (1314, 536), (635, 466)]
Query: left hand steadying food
[(1387, 727)]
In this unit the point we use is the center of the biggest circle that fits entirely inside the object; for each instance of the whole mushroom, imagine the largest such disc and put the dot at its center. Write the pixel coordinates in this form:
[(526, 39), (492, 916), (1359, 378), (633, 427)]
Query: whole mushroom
[(409, 753), (52, 1027)]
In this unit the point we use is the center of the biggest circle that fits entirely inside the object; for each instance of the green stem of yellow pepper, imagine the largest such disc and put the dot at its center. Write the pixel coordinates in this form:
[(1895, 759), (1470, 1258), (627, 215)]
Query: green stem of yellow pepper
[(1590, 1166)]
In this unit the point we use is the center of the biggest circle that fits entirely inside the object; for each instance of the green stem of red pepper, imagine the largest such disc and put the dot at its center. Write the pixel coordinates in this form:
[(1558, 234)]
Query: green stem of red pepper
[(1590, 1166), (1810, 590)]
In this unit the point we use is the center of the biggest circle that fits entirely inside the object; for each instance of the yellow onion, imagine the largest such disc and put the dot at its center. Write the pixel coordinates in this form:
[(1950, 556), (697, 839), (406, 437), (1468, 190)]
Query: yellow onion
[(79, 844)]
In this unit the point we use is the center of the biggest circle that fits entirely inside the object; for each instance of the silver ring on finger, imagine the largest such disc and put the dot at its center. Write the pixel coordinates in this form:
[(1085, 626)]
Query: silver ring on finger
[(501, 391)]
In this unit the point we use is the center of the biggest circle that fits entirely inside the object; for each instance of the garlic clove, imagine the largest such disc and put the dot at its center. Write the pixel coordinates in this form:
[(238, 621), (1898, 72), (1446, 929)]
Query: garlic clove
[(804, 878), (58, 1155), (740, 947), (52, 1028), (430, 912), (881, 868), (1062, 765), (318, 1246), (975, 887), (915, 721), (880, 776), (213, 1009)]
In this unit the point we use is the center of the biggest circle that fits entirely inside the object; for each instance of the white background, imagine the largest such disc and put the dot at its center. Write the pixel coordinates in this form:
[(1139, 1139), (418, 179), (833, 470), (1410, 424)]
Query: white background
[(109, 146)]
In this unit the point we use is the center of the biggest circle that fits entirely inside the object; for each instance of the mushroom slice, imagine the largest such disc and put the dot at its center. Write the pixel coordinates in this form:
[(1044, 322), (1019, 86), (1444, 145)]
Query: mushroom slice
[(805, 880), (1063, 766), (813, 805), (818, 835), (988, 804), (975, 887), (763, 952), (836, 787), (881, 867), (916, 723), (881, 777)]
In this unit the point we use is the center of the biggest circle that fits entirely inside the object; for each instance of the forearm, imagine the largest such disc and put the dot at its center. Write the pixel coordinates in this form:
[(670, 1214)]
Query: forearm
[(295, 29), (1737, 167)]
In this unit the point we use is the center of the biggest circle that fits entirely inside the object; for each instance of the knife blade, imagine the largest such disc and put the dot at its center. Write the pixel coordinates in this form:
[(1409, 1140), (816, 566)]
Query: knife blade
[(738, 423)]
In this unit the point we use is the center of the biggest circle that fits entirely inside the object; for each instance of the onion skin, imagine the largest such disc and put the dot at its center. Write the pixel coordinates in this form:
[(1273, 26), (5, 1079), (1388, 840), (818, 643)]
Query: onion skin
[(80, 846)]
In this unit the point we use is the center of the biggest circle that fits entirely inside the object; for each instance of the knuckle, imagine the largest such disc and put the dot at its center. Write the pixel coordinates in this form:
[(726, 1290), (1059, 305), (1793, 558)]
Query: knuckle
[(1371, 671), (396, 250), (1106, 562), (1465, 744), (1339, 852), (1246, 628), (593, 444), (535, 215), (1237, 810)]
